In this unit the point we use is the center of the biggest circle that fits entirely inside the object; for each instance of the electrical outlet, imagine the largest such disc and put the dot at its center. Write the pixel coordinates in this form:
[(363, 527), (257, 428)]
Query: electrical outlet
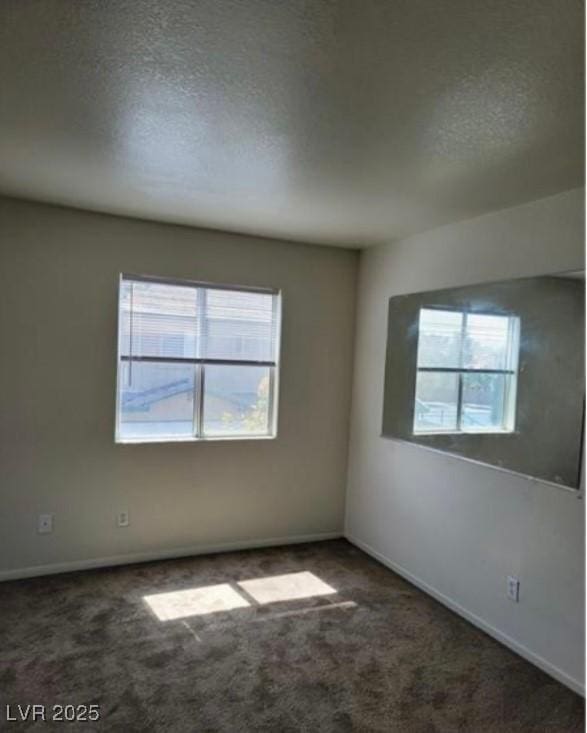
[(45, 523), (123, 519), (513, 589)]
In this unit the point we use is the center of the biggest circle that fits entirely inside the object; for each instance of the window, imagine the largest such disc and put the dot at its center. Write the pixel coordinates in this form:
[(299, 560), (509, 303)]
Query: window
[(195, 361), (466, 372)]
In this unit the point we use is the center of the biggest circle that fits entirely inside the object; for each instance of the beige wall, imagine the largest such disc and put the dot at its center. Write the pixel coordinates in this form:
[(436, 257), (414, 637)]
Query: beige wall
[(58, 278), (455, 528)]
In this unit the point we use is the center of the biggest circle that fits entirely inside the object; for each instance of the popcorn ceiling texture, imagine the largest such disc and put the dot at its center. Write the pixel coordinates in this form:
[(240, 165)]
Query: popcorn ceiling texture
[(378, 655), (337, 122)]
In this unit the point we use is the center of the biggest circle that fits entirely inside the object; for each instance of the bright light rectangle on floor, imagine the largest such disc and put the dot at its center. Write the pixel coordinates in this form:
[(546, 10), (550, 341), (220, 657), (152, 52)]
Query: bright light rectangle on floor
[(286, 587), (195, 602)]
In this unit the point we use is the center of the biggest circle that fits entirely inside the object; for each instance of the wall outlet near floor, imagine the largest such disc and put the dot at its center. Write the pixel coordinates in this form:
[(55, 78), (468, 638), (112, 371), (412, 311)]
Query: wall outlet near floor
[(123, 519), (45, 523), (513, 589)]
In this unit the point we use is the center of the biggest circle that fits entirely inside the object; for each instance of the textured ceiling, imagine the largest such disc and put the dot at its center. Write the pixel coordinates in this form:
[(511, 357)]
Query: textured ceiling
[(338, 122)]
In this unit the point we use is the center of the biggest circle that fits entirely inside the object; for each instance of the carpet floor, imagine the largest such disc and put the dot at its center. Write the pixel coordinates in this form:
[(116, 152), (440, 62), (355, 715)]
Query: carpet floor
[(315, 637)]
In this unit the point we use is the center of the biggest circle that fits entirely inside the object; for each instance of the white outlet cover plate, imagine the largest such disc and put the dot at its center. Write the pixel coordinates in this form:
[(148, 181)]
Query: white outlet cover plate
[(513, 588), (123, 519)]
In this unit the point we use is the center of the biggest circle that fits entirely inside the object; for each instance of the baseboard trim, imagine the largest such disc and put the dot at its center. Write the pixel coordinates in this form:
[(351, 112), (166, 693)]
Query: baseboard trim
[(149, 556), (506, 640)]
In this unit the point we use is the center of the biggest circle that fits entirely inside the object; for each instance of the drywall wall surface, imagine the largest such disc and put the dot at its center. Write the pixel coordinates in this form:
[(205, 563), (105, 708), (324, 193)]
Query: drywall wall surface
[(59, 272), (454, 527)]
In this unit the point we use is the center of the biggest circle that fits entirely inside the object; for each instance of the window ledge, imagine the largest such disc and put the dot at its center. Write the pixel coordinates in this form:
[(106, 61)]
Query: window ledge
[(463, 432), (209, 439)]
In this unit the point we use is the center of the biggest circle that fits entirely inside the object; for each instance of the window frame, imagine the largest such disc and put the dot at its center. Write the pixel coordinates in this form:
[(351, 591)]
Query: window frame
[(511, 374), (200, 363)]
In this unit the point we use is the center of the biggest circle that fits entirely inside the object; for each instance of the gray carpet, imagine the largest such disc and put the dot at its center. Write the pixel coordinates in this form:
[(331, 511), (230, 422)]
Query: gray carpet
[(364, 651)]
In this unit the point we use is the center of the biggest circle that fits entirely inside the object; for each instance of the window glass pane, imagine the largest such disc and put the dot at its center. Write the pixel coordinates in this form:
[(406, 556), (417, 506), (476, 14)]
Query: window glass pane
[(489, 342), (484, 402), (239, 325), (158, 319), (436, 401), (236, 400), (156, 400), (439, 338), (170, 322)]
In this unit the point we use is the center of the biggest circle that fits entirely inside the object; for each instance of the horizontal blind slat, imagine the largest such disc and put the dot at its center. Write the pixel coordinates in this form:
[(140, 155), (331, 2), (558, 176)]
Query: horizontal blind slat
[(164, 320)]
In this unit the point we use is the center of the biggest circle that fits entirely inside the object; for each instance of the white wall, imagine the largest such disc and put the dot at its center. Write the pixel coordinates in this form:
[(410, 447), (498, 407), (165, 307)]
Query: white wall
[(59, 272), (453, 527)]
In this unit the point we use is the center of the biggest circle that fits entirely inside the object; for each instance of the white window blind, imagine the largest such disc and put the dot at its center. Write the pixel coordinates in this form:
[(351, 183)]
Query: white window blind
[(196, 361)]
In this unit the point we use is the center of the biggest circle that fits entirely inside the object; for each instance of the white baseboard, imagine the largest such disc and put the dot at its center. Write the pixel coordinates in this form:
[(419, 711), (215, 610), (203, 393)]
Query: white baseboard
[(150, 555), (506, 640)]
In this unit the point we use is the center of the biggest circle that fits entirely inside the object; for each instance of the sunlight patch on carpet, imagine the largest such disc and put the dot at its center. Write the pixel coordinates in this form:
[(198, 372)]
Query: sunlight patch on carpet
[(288, 587), (195, 602)]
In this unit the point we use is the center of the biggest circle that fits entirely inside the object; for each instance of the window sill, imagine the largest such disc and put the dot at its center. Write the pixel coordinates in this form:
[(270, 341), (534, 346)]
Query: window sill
[(209, 439), (463, 432)]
